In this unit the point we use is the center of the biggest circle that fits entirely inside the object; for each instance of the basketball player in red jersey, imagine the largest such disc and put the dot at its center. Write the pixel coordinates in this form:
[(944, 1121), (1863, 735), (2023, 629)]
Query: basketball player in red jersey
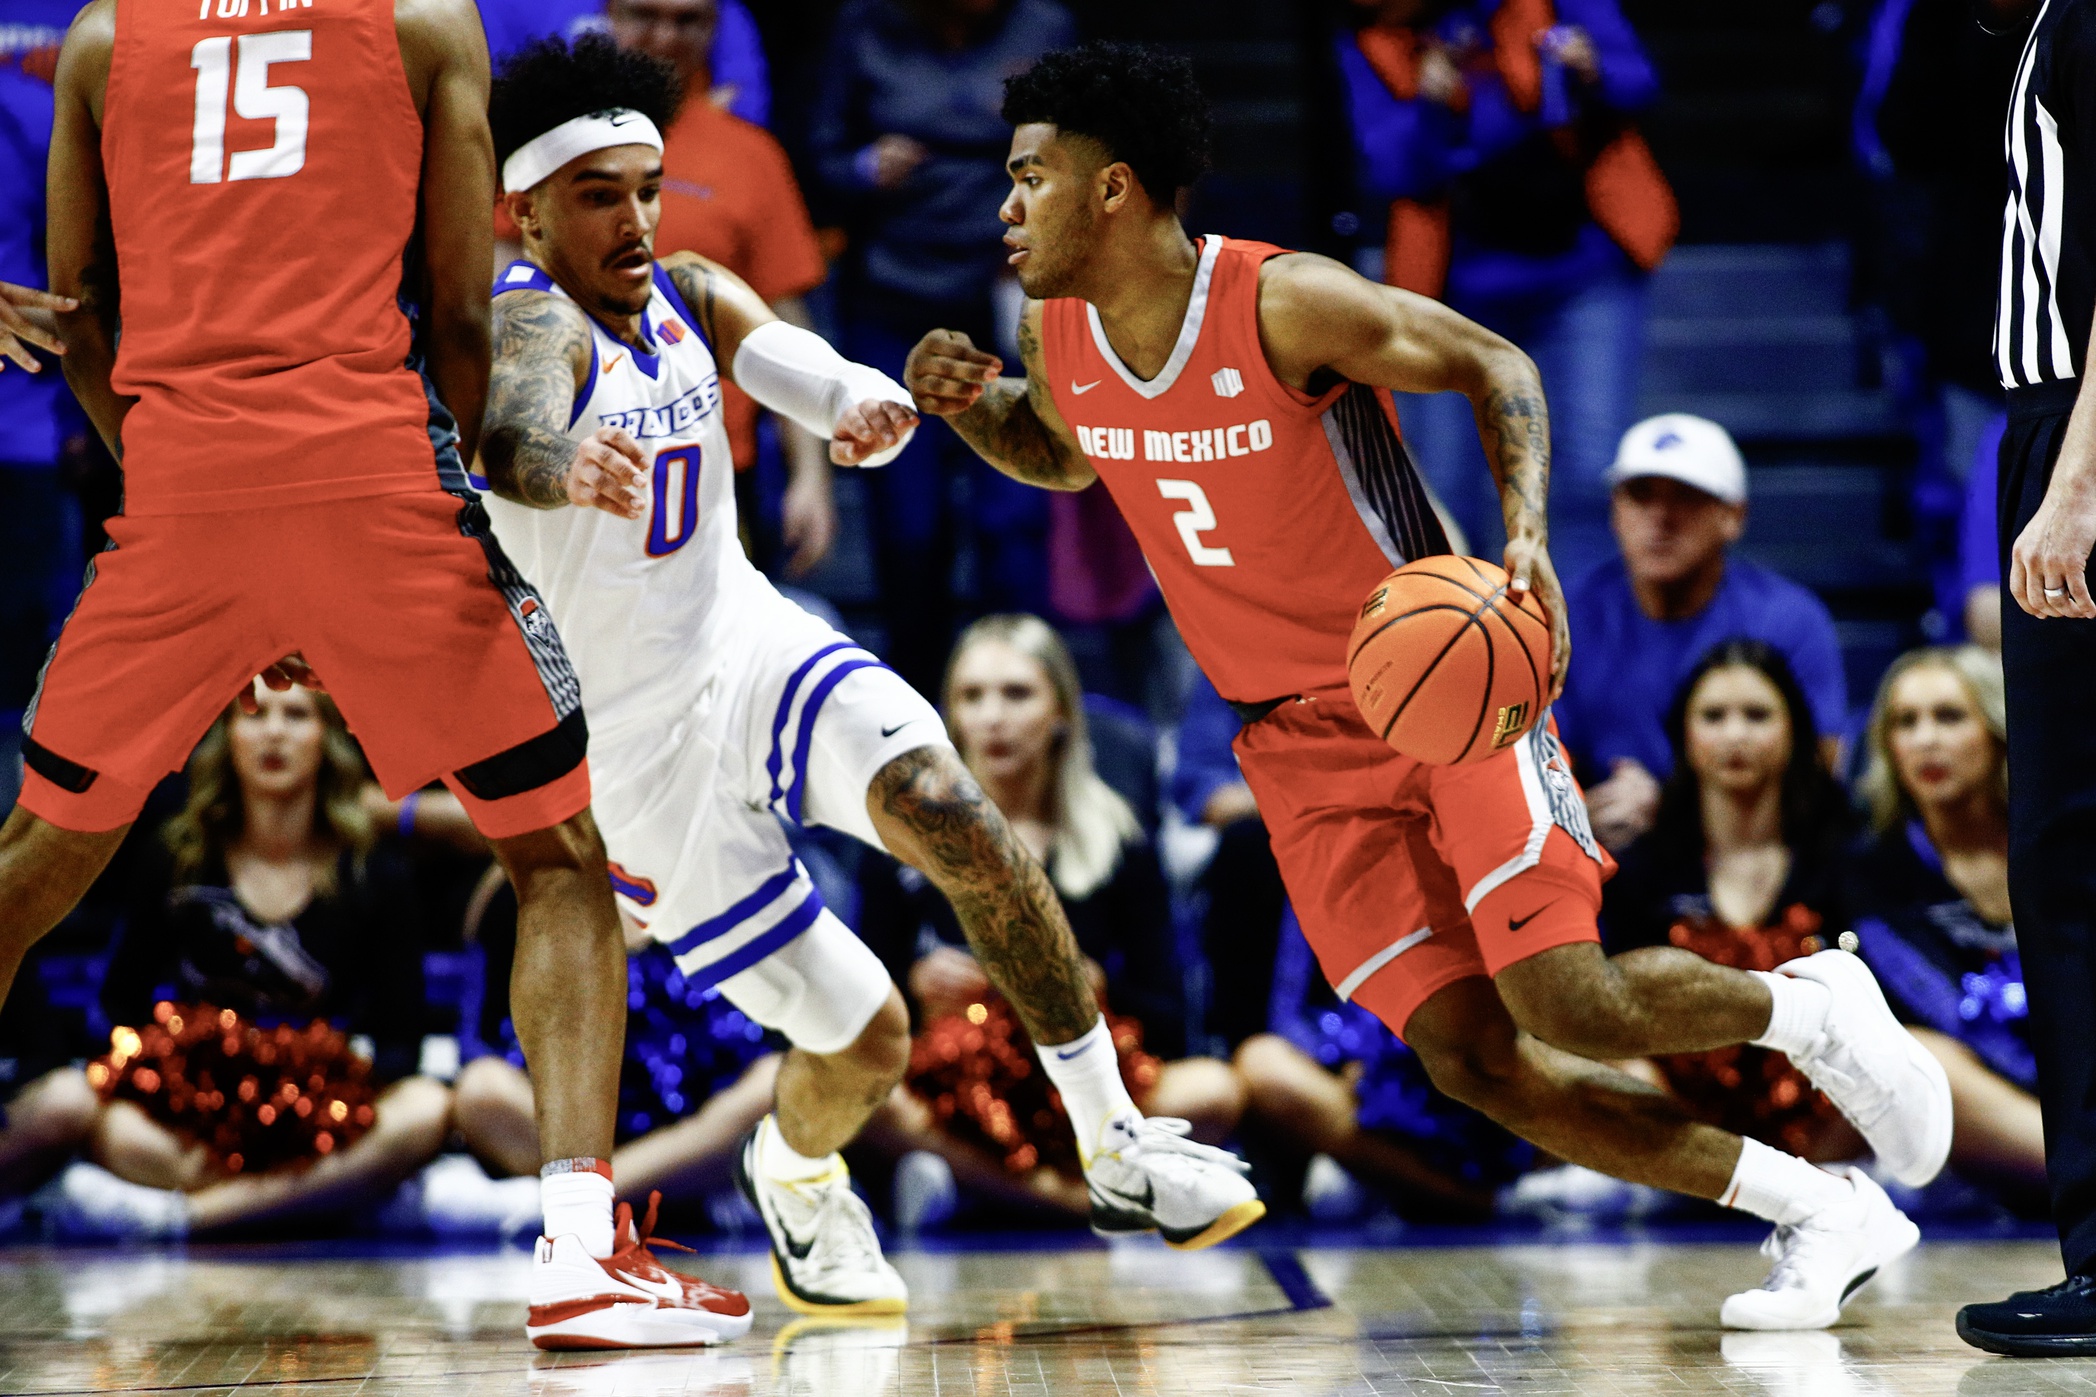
[(256, 188), (1231, 395)]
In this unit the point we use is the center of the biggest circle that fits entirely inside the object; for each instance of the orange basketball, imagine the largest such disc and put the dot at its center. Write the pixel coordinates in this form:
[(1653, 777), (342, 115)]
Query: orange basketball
[(1447, 663)]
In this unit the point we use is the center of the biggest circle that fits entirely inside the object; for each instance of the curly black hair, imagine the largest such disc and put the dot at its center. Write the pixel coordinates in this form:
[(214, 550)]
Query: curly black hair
[(1141, 103), (550, 82)]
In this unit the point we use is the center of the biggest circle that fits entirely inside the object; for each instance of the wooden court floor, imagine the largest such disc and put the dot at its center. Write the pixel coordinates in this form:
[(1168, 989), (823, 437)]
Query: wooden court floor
[(1528, 1317)]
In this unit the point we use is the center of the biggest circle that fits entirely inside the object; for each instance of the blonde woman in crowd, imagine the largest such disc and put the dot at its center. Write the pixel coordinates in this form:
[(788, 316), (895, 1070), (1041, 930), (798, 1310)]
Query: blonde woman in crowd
[(974, 1096), (1929, 894)]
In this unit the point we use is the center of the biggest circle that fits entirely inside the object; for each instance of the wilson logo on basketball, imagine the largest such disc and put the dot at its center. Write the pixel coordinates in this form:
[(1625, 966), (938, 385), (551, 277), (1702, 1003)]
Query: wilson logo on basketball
[(1513, 721)]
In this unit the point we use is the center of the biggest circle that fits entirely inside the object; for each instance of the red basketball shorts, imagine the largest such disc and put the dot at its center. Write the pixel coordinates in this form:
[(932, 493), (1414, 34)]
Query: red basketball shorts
[(442, 660), (1408, 877)]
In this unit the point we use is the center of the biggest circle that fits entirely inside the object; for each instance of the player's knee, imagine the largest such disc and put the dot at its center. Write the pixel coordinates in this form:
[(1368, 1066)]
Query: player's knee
[(573, 846), (882, 1049), (933, 813), (1571, 998), (488, 1089)]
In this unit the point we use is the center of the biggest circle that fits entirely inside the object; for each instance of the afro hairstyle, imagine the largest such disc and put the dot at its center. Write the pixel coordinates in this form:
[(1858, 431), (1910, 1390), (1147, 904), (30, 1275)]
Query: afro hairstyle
[(1141, 103), (550, 82)]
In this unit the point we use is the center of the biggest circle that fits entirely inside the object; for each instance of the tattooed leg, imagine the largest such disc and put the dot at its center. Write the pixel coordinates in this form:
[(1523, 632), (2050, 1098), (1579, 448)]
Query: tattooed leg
[(933, 816)]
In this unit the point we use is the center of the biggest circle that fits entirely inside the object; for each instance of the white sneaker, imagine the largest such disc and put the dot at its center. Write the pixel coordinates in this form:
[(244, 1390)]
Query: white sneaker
[(1147, 1176), (460, 1200), (1330, 1194), (1823, 1260), (926, 1195), (88, 1203), (627, 1299), (825, 1256), (1875, 1072)]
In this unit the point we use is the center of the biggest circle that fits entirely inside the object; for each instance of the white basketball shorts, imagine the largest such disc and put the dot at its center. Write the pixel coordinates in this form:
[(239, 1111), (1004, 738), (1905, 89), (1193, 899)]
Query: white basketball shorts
[(795, 724)]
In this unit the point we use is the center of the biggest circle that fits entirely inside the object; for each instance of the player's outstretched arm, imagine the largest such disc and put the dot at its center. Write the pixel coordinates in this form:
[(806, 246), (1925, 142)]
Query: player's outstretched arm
[(862, 413), (445, 55), (1012, 423), (542, 359), (1320, 321), (77, 241)]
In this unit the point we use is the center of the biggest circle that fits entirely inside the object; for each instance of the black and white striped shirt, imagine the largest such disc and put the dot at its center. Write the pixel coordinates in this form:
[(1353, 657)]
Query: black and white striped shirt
[(2048, 235)]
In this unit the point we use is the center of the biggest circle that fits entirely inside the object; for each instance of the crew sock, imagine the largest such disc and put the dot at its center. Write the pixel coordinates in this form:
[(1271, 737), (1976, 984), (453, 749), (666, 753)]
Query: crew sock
[(1087, 1071), (1781, 1187), (1797, 1012), (781, 1161), (575, 1197)]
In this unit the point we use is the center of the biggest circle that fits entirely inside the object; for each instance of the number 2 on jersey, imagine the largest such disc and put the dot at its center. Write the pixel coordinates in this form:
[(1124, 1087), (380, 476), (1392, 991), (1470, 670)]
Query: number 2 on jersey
[(1195, 520), (674, 516), (254, 99)]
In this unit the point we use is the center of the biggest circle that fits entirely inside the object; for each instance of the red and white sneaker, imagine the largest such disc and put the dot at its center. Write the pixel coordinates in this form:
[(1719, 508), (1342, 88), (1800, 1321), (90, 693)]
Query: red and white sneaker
[(627, 1299)]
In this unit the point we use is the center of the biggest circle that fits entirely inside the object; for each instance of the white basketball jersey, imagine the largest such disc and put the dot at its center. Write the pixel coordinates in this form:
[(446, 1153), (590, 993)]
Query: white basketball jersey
[(641, 604)]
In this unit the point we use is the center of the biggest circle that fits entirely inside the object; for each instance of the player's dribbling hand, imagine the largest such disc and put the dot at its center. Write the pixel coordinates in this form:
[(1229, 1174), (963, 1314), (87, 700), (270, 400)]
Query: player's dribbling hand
[(946, 373), (1528, 564), (610, 472), (870, 428), (25, 319), (287, 673)]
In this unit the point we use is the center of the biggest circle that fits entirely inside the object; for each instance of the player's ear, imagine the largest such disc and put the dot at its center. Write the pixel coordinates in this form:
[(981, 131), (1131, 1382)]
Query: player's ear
[(523, 211), (1116, 185)]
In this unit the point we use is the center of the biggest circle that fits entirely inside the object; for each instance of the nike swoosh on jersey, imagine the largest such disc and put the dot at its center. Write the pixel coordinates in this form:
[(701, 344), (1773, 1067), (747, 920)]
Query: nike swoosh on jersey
[(666, 1289), (612, 362), (1514, 925), (1081, 389)]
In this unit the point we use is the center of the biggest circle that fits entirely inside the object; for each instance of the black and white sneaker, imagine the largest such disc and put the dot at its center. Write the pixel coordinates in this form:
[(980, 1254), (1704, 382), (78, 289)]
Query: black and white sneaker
[(825, 1257), (1146, 1176)]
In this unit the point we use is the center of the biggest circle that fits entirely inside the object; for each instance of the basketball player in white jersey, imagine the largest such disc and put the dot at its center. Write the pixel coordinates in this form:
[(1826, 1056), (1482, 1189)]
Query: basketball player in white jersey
[(718, 707)]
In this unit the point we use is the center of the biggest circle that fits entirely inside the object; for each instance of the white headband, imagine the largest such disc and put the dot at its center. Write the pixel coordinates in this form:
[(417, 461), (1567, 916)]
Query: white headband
[(540, 156)]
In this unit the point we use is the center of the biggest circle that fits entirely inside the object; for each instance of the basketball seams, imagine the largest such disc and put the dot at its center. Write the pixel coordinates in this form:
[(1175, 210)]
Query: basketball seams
[(1471, 598)]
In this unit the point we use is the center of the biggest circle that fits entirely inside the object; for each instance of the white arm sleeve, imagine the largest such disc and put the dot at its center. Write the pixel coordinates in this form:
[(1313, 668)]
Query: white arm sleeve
[(796, 374)]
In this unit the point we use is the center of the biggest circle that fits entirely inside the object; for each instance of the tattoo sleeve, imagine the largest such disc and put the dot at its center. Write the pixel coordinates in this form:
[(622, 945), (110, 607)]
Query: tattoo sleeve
[(540, 344), (1515, 425), (937, 817), (695, 285), (1008, 428)]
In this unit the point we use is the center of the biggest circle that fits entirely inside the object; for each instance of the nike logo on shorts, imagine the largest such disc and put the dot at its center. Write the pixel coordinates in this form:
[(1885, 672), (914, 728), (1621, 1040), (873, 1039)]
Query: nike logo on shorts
[(1514, 925), (890, 732), (1081, 389)]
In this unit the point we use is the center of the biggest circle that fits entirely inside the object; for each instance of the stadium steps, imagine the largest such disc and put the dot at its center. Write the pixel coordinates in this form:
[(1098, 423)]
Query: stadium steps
[(1761, 339)]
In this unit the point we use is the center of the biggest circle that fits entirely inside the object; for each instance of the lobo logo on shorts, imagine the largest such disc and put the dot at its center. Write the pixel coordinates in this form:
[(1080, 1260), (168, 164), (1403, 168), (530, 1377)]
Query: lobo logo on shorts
[(1568, 809), (534, 618)]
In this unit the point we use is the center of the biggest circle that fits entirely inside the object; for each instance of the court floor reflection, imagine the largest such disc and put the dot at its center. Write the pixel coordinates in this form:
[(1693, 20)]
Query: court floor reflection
[(1335, 1322)]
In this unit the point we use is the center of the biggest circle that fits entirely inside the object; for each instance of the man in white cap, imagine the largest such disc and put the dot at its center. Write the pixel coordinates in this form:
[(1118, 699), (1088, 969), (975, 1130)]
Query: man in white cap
[(1678, 502)]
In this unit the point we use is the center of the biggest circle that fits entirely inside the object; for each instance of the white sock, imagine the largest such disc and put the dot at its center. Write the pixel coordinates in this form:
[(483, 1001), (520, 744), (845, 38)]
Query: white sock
[(1780, 1187), (1797, 1012), (1087, 1071), (576, 1201), (781, 1161)]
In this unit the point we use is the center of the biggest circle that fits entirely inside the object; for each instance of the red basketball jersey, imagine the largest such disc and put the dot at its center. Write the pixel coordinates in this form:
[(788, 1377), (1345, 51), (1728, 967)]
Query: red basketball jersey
[(263, 159), (1268, 515)]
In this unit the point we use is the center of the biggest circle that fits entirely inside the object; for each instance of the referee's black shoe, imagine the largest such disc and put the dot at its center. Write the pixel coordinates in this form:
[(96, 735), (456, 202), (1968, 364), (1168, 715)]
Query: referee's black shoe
[(2058, 1321)]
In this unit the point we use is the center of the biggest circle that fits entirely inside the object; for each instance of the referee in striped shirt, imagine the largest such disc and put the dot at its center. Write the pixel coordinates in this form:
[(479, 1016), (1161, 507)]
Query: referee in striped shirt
[(2048, 525)]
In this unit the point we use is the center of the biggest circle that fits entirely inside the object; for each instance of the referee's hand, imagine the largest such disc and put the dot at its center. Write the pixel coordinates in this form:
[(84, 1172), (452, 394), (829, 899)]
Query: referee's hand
[(2049, 566)]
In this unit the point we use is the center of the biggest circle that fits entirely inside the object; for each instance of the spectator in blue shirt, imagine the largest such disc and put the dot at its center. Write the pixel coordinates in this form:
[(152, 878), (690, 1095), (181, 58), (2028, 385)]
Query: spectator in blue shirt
[(909, 141), (1641, 621)]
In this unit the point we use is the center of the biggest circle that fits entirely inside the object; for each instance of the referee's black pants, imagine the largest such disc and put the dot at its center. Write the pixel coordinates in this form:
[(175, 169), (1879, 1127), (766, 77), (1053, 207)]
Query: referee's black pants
[(2050, 666)]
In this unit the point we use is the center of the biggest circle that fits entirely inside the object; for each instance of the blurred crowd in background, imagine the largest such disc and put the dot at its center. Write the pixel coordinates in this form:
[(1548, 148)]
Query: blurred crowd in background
[(284, 1006)]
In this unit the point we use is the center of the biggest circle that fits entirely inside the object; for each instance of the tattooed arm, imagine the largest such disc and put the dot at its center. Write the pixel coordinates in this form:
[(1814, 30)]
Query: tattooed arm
[(78, 242), (542, 360), (1320, 322), (1012, 424), (934, 816)]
